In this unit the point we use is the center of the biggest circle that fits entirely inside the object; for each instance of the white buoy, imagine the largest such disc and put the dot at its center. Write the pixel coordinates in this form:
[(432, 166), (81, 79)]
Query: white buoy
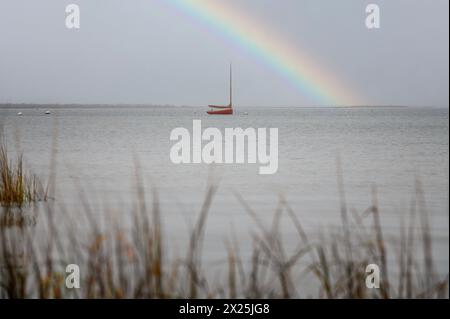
[(19, 113), (47, 112)]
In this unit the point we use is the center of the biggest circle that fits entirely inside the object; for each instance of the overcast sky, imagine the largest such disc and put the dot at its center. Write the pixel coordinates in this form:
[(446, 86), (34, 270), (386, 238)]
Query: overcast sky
[(147, 52)]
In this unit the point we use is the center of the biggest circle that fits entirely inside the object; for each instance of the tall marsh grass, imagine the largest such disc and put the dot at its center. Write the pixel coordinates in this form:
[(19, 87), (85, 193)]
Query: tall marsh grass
[(121, 262), (16, 187)]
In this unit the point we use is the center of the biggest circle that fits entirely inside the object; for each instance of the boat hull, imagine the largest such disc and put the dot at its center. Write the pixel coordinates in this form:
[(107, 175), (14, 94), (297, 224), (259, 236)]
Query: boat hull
[(227, 111)]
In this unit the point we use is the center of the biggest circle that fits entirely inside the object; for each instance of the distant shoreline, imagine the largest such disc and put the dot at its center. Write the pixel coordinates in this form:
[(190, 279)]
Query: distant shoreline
[(106, 106)]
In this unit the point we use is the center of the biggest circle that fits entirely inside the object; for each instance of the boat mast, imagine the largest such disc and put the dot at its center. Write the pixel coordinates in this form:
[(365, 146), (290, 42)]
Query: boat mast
[(231, 87)]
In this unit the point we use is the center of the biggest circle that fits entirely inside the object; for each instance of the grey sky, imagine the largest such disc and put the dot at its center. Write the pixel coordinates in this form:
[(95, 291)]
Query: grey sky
[(145, 51)]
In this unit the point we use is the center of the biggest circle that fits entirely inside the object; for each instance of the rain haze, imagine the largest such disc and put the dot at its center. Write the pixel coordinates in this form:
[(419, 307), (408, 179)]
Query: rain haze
[(153, 52), (224, 149)]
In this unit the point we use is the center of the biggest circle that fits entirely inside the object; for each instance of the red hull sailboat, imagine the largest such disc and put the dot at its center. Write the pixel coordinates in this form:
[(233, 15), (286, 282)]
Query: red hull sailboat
[(223, 110)]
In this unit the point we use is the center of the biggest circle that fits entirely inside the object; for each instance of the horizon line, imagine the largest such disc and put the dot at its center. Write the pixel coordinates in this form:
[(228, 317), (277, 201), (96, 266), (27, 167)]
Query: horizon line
[(60, 105)]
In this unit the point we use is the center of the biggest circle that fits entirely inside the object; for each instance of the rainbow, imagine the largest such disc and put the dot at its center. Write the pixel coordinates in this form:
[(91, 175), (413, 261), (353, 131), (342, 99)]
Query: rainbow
[(300, 69)]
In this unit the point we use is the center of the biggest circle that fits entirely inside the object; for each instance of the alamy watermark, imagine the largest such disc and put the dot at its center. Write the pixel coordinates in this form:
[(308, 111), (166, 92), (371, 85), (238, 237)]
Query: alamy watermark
[(72, 20), (373, 277), (372, 20), (73, 277), (227, 148), (373, 16)]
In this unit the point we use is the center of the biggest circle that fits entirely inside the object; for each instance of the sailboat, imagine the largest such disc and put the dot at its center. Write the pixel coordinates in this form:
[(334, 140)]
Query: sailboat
[(224, 110)]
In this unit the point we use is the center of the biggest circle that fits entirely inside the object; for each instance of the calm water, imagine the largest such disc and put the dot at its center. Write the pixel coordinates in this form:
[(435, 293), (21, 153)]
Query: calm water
[(388, 147)]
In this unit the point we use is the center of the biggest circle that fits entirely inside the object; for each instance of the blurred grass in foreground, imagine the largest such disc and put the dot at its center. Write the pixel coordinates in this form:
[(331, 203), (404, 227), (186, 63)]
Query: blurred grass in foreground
[(116, 263)]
